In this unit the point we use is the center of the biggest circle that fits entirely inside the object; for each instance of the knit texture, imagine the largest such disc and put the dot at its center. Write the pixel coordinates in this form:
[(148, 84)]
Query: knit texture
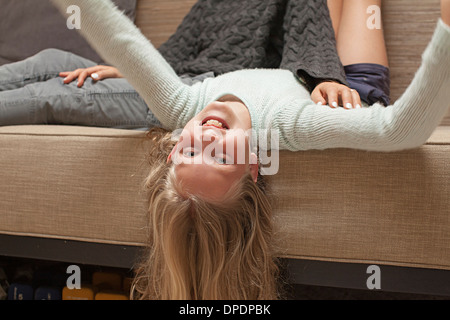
[(275, 98), (229, 35)]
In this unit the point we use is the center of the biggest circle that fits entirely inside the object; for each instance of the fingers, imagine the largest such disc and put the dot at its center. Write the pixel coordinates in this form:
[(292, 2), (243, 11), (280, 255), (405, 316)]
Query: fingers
[(349, 98), (356, 99), (81, 74), (69, 76), (318, 96), (335, 95), (105, 73)]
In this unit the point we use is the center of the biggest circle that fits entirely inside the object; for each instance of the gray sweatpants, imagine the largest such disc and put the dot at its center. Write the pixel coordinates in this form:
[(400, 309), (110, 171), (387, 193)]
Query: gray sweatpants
[(31, 92)]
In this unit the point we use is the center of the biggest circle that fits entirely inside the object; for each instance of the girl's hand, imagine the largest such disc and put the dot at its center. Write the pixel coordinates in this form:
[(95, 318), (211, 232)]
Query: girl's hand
[(335, 94), (96, 73)]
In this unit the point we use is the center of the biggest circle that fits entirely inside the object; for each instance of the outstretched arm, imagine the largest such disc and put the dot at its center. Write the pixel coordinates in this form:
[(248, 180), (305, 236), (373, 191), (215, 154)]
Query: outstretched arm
[(121, 44), (406, 124)]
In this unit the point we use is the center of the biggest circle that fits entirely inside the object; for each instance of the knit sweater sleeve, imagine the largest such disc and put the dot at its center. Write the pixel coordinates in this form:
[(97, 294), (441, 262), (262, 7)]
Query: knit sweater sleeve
[(122, 45), (406, 124)]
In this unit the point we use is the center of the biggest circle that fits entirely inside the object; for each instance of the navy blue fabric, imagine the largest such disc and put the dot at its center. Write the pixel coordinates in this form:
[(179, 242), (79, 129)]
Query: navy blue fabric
[(372, 81)]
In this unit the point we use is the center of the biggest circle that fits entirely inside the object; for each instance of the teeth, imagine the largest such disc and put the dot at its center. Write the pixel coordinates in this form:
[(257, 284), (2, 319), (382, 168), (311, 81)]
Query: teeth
[(213, 122)]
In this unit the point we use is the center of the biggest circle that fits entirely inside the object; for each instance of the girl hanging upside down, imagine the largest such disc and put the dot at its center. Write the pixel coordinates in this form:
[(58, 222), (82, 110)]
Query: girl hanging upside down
[(210, 219)]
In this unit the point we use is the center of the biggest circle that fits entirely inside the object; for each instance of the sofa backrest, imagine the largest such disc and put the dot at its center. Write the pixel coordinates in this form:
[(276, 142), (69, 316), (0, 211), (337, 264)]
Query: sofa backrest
[(408, 26), (158, 19), (29, 26)]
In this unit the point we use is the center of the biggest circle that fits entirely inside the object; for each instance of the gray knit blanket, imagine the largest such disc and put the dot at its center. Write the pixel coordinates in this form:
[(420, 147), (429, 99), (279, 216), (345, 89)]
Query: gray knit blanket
[(227, 35)]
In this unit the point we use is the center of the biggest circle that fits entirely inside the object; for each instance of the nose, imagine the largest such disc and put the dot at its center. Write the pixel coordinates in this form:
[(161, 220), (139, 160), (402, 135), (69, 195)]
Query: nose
[(212, 144)]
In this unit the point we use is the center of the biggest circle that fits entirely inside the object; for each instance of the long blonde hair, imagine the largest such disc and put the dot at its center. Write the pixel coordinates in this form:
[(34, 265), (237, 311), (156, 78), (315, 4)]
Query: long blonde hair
[(201, 250)]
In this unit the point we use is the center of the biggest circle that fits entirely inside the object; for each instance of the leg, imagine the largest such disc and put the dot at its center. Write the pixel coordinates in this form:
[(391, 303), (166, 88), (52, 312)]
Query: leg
[(44, 65), (362, 48), (107, 103), (31, 92), (445, 11), (335, 8), (366, 45)]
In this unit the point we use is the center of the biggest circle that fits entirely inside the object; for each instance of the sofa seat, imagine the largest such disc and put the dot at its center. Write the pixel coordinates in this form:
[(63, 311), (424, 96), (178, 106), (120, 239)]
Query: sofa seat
[(85, 184)]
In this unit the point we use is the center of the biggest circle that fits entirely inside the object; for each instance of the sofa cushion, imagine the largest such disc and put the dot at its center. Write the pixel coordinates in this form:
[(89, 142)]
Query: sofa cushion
[(85, 184), (354, 206), (75, 183), (29, 26)]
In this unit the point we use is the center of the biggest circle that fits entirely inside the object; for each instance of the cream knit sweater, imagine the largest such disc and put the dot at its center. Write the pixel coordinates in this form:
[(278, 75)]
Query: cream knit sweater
[(274, 98)]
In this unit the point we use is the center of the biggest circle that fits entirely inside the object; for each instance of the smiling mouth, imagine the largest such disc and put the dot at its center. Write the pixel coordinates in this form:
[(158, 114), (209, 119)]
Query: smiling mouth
[(215, 122)]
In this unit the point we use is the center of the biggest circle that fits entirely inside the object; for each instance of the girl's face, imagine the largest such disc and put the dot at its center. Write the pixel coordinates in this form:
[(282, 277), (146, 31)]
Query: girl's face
[(213, 151)]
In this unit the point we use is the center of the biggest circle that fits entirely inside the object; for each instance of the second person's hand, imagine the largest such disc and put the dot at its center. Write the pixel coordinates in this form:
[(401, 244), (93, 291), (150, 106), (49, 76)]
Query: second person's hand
[(99, 72), (335, 94)]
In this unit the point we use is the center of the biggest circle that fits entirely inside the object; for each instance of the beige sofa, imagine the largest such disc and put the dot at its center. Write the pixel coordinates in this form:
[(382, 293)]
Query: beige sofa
[(75, 193)]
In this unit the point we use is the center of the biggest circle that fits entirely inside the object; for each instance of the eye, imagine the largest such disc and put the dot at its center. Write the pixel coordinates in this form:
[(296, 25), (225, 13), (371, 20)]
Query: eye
[(189, 154), (221, 160)]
